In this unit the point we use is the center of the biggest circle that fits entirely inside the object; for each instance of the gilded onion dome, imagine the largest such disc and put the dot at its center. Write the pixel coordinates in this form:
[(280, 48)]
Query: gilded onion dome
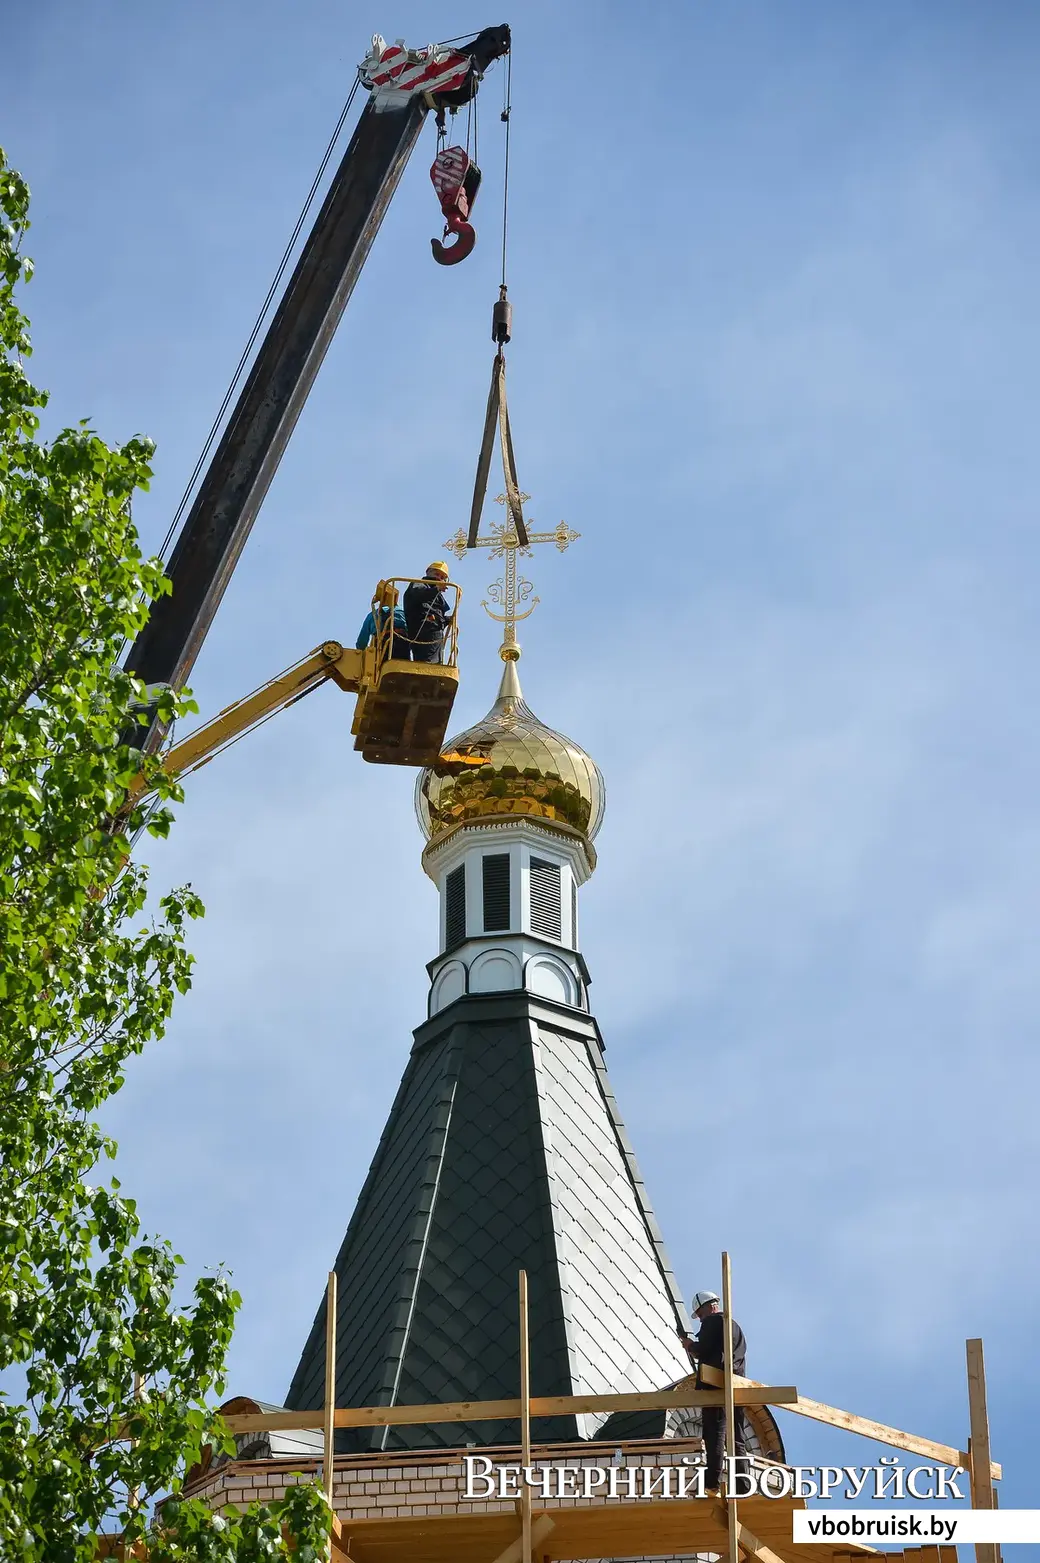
[(530, 771)]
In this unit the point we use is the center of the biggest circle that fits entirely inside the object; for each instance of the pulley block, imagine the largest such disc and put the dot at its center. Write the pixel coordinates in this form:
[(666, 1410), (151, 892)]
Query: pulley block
[(456, 180)]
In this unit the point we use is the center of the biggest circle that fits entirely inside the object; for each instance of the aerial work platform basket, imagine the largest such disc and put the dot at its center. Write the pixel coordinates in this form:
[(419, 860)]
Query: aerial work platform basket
[(404, 705)]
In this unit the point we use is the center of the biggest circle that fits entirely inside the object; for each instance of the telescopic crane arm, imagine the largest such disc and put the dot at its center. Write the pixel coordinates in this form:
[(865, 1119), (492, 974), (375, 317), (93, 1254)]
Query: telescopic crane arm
[(404, 84), (402, 706), (328, 661)]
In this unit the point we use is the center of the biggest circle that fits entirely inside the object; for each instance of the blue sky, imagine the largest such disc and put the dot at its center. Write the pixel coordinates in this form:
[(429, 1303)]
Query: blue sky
[(773, 267)]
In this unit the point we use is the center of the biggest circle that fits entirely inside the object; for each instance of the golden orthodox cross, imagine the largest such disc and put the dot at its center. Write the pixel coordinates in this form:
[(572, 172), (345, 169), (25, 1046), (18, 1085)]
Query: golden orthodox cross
[(511, 589)]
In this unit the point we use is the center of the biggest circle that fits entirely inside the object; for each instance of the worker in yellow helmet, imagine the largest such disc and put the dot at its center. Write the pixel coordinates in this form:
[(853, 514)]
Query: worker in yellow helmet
[(427, 613)]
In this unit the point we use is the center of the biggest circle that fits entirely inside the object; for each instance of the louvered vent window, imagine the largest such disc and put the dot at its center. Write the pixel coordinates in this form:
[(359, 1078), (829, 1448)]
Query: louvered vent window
[(455, 907), (495, 867), (574, 915), (545, 898)]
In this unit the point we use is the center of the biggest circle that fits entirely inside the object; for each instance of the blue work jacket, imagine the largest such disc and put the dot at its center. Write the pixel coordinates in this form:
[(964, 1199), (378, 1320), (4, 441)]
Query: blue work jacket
[(368, 629)]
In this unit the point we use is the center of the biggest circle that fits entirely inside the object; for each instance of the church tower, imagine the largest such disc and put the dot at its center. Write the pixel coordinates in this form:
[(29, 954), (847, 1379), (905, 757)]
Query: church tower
[(504, 1149)]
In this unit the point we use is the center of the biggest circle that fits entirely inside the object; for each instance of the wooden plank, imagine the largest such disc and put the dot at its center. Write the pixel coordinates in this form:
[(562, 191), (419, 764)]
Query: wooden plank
[(115, 1547), (496, 1410), (632, 1529), (978, 1446), (329, 1447), (750, 1544), (981, 1488), (747, 1540), (945, 1454), (339, 1542), (732, 1522), (540, 1528), (577, 1533), (525, 1420), (133, 1497), (880, 1432)]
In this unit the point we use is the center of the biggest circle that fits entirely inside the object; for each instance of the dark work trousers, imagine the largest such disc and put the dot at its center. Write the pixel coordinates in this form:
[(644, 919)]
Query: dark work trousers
[(400, 650), (713, 1424), (426, 651)]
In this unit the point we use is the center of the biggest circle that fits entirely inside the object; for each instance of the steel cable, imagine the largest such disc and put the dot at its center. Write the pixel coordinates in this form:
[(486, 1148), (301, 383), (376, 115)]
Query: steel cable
[(507, 110), (261, 317)]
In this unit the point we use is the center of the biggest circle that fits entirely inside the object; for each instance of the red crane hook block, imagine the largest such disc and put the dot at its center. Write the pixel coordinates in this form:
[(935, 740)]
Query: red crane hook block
[(456, 180)]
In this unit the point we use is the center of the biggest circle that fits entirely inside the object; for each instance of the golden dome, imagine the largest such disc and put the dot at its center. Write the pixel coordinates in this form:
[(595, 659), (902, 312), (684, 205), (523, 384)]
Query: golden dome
[(530, 770)]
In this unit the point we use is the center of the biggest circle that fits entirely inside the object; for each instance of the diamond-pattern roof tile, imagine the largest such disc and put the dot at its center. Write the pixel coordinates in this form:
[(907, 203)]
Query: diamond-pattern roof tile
[(503, 1151)]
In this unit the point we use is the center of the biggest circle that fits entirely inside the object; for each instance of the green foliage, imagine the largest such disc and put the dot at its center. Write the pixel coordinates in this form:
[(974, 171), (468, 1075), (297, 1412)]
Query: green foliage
[(87, 1307)]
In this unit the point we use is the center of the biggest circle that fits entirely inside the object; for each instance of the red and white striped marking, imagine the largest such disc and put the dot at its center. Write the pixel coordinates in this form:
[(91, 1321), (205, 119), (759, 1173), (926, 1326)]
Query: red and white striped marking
[(448, 172), (395, 72)]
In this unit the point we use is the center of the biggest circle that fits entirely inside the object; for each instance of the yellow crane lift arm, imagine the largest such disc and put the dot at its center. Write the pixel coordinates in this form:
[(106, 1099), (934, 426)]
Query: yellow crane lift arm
[(329, 660), (402, 711)]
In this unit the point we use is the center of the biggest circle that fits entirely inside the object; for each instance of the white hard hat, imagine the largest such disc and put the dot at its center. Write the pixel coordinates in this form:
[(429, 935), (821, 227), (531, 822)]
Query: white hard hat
[(701, 1299)]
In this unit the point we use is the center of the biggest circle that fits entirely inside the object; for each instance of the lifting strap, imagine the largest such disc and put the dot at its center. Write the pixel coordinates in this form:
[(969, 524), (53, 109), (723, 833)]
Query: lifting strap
[(497, 413)]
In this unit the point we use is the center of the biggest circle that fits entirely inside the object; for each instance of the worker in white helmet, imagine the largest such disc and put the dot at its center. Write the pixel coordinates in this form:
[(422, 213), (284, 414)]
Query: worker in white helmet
[(707, 1351)]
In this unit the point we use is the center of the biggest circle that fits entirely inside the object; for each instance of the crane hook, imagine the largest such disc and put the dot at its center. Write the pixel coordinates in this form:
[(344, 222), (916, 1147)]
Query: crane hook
[(456, 181), (465, 239)]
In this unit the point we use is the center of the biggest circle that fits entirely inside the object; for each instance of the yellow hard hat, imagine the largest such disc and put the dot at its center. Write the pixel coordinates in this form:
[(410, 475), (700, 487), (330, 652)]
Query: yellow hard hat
[(439, 566)]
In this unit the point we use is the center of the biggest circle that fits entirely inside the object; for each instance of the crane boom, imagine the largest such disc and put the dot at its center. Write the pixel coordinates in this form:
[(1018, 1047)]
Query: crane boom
[(252, 444), (254, 440)]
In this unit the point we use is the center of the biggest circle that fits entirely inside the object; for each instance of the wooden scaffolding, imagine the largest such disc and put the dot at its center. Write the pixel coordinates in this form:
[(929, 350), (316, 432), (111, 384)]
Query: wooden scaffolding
[(527, 1531)]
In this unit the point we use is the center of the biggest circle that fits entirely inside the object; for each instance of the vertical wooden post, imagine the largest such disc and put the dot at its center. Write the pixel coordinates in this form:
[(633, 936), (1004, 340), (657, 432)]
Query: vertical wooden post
[(525, 1419), (133, 1497), (727, 1370), (982, 1494), (329, 1469)]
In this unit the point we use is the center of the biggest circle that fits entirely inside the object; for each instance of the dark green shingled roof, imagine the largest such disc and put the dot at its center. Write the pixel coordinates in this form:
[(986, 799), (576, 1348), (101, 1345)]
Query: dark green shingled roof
[(504, 1150)]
